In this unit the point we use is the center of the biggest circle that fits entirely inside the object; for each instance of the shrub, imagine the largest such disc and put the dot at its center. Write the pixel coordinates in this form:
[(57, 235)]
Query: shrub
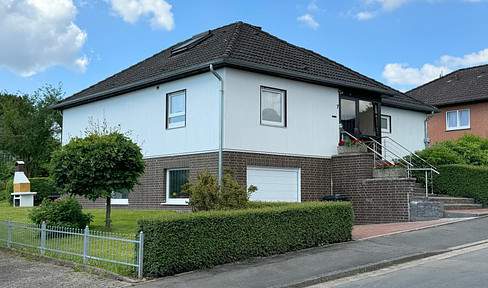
[(44, 187), (205, 239), (463, 181), (204, 192), (65, 212)]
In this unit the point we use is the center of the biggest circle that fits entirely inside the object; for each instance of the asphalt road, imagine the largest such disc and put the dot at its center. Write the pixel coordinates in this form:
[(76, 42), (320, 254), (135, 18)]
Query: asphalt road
[(463, 268)]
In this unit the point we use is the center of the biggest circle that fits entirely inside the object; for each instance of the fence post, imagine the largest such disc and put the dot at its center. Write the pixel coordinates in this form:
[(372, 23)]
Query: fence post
[(140, 256), (86, 244), (43, 238), (9, 233)]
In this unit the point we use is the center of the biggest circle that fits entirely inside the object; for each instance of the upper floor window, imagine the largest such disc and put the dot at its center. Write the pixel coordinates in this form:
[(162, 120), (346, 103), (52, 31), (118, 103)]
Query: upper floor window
[(176, 109), (457, 119), (273, 107)]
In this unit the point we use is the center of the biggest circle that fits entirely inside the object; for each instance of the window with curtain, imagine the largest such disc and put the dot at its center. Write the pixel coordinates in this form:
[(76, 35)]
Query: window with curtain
[(457, 119), (273, 106)]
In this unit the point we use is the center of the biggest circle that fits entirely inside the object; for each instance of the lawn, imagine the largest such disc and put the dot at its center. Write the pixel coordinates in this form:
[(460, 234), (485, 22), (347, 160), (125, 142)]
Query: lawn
[(123, 221)]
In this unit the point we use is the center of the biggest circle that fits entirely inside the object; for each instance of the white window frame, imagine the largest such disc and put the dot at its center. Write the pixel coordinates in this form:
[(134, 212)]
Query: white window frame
[(176, 201), (388, 124), (282, 123), (119, 201), (179, 124), (458, 120)]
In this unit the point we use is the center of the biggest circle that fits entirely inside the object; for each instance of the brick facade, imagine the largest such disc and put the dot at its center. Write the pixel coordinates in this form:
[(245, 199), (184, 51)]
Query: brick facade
[(315, 176), (478, 123), (374, 200)]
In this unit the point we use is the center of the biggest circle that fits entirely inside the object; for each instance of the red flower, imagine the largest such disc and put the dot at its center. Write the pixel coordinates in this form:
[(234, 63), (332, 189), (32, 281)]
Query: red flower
[(341, 143), (353, 141)]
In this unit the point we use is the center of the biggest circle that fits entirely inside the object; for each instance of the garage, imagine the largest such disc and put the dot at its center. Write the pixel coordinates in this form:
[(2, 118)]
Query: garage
[(274, 184)]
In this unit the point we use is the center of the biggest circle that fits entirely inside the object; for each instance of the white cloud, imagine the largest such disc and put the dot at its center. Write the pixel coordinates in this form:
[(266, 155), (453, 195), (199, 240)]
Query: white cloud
[(397, 73), (132, 10), (365, 15), (36, 34), (309, 21), (312, 6)]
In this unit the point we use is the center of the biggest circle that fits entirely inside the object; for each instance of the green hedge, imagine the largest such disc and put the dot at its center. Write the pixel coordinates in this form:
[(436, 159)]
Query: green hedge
[(201, 240), (463, 181), (43, 186)]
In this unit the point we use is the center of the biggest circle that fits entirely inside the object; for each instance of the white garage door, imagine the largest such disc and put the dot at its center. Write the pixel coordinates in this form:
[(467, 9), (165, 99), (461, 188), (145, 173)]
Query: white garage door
[(274, 184)]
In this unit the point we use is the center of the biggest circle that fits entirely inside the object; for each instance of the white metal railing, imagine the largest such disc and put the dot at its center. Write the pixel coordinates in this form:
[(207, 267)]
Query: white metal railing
[(397, 151), (90, 247)]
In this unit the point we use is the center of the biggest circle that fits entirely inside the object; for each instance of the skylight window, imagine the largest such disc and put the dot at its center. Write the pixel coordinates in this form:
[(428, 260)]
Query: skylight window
[(195, 39)]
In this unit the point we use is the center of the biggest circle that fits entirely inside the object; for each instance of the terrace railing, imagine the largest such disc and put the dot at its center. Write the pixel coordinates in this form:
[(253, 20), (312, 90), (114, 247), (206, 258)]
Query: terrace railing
[(111, 251)]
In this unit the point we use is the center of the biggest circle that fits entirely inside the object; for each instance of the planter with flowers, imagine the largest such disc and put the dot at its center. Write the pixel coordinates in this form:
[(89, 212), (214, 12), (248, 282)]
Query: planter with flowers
[(351, 147), (390, 170)]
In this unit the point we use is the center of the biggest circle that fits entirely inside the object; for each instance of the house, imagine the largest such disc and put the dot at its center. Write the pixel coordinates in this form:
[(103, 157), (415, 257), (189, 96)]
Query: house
[(282, 112), (462, 98)]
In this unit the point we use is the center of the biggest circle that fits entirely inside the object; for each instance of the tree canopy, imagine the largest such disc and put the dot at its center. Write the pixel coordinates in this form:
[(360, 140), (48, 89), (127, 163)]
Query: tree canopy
[(29, 129), (97, 165)]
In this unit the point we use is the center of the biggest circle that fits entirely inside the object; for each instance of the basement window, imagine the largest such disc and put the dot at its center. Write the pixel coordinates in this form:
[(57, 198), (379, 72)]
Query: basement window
[(175, 179)]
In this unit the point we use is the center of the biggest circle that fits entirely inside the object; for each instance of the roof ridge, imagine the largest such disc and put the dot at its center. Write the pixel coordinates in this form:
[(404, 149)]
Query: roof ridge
[(233, 39), (324, 59), (445, 76)]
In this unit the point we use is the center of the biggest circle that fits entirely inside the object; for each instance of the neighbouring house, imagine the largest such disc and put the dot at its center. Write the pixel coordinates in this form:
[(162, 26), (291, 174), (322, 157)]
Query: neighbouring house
[(462, 98), (283, 109)]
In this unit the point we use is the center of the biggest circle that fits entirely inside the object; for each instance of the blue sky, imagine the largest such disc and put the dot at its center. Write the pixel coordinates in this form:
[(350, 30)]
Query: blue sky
[(402, 43)]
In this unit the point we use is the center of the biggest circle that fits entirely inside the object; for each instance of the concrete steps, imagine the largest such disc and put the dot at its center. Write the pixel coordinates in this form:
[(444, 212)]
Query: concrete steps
[(450, 202)]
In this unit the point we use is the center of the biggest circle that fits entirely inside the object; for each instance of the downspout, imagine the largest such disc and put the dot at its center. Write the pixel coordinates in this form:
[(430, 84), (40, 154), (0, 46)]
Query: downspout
[(221, 121), (426, 139)]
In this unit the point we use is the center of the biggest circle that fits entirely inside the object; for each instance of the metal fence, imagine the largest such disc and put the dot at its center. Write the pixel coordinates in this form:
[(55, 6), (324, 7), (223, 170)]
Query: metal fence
[(111, 251)]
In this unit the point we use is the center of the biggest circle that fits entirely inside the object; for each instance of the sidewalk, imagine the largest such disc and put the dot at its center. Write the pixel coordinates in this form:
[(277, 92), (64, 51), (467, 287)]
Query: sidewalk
[(315, 265)]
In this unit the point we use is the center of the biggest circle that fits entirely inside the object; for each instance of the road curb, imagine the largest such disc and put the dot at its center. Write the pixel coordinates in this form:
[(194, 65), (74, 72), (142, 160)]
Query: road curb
[(85, 268), (361, 269)]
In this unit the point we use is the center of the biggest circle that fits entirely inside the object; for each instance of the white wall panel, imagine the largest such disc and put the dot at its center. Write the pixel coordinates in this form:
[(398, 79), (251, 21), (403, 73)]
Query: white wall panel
[(143, 113), (310, 128)]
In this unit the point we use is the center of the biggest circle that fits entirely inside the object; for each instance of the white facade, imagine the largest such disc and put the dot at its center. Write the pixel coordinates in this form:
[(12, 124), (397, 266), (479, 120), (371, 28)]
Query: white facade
[(312, 116), (407, 128), (143, 113)]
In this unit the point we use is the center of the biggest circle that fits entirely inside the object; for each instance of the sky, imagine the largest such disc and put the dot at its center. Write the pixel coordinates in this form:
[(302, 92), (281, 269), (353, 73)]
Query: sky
[(77, 43)]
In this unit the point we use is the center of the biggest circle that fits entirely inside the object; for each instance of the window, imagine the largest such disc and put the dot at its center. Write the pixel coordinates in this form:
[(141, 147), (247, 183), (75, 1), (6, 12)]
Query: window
[(385, 124), (176, 178), (176, 109), (458, 119), (273, 107), (120, 197)]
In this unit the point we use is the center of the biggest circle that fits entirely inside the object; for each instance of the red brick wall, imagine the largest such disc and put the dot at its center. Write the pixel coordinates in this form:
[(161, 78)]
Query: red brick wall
[(478, 123)]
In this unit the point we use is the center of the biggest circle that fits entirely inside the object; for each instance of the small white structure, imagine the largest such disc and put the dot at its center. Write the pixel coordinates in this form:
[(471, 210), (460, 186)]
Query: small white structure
[(22, 195)]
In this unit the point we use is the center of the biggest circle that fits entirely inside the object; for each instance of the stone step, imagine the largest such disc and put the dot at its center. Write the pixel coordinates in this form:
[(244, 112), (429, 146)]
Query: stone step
[(452, 200), (462, 206)]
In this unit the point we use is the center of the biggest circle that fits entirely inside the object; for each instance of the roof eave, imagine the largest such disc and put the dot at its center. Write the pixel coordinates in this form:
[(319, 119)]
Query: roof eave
[(409, 106), (204, 67)]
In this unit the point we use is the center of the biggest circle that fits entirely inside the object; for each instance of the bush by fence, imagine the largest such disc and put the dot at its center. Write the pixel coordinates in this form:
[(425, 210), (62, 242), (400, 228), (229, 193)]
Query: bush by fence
[(463, 181), (205, 239)]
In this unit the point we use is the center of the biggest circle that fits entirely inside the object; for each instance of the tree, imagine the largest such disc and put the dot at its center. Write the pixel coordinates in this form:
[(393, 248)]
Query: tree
[(29, 128), (97, 165)]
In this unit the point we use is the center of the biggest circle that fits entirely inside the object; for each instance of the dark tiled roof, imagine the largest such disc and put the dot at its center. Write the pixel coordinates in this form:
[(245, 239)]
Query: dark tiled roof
[(461, 86), (242, 46)]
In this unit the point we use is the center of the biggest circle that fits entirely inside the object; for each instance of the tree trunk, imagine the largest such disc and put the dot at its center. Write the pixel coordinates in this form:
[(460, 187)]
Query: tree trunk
[(107, 214)]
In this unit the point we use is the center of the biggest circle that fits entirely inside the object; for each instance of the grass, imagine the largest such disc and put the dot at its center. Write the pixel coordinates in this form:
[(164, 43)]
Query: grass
[(123, 221)]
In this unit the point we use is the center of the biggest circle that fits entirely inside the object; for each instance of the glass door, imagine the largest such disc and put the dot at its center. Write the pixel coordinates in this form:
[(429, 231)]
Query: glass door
[(359, 118)]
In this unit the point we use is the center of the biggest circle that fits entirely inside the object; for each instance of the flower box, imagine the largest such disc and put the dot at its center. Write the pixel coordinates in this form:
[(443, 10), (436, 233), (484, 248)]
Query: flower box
[(352, 149), (390, 173)]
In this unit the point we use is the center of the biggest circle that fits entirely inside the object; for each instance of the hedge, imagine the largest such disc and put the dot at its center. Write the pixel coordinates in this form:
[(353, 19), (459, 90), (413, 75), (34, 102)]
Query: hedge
[(43, 186), (187, 242), (463, 181)]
